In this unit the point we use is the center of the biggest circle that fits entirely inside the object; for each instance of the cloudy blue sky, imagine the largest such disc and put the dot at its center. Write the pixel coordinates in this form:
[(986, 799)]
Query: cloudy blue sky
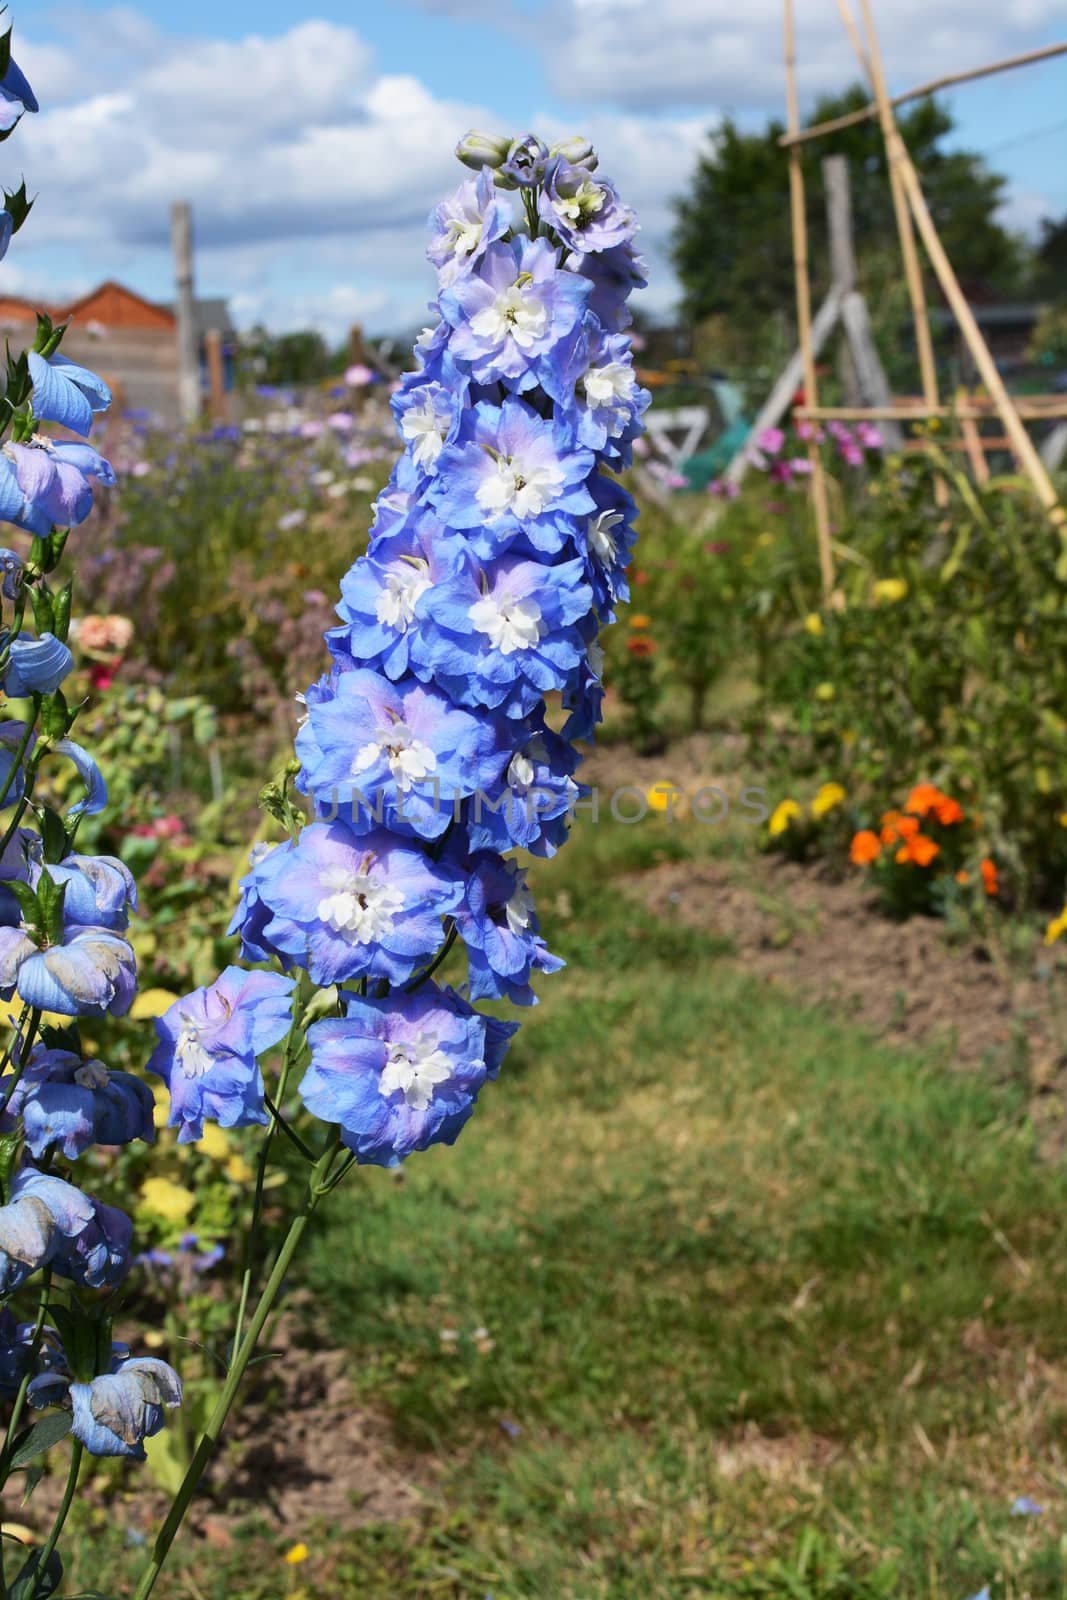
[(312, 139)]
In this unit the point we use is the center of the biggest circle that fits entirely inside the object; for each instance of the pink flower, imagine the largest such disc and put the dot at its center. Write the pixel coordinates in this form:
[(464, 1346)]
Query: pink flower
[(723, 489), (771, 440), (869, 436), (359, 376), (810, 432)]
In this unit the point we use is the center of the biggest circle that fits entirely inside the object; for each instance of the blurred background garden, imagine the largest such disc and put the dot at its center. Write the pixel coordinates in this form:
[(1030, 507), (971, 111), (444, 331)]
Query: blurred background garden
[(748, 1279)]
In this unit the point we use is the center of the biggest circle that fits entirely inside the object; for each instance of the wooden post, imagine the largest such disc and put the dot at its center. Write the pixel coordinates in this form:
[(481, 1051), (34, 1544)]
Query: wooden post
[(871, 62), (842, 262), (1021, 443), (789, 380), (188, 351), (216, 375), (803, 286)]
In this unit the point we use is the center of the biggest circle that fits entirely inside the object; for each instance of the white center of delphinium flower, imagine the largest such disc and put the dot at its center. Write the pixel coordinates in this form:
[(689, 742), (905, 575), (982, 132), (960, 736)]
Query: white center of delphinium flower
[(425, 427), (410, 759), (510, 486), (415, 1067), (516, 312), (520, 771), (358, 907), (602, 540), (92, 1075), (190, 1053), (519, 909), (581, 206), (510, 624), (463, 234), (395, 605), (610, 387)]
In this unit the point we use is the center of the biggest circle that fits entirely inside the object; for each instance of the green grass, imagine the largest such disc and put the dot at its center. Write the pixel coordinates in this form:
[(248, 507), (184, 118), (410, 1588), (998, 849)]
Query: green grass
[(772, 1309)]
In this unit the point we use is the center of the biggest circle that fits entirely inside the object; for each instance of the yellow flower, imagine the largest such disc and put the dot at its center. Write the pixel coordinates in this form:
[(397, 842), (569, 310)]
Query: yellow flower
[(238, 1170), (765, 539), (161, 1096), (214, 1143), (813, 624), (829, 796), (887, 591), (660, 796), (639, 620), (169, 1200), (298, 1553), (849, 737), (825, 692), (1056, 927), (1062, 819), (151, 1003), (782, 816)]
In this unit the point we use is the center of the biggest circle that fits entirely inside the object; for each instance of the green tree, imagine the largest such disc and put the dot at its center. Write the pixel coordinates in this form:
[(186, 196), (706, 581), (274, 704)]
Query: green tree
[(1050, 261), (732, 244)]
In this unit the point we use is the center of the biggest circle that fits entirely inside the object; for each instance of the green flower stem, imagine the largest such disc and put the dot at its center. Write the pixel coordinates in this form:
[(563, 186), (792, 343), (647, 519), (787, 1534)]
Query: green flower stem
[(24, 1052), (20, 1397), (76, 1453), (317, 1186), (16, 762)]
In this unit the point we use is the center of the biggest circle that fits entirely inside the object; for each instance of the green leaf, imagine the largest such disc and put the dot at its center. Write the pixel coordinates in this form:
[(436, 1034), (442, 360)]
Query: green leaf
[(44, 332), (34, 1584), (5, 52), (62, 611), (17, 206), (9, 1149), (55, 716), (44, 611), (28, 902), (53, 833), (51, 896), (49, 1431)]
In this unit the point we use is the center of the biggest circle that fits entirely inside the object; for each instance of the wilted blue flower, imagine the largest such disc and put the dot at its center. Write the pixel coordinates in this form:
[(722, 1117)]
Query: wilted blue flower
[(72, 1104), (210, 1042), (100, 890), (349, 905), (89, 972), (403, 1073), (38, 665), (48, 1222), (95, 788), (118, 1411)]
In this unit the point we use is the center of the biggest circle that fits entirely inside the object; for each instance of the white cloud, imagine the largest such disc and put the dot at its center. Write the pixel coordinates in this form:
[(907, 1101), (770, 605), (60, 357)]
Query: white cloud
[(650, 54), (310, 172)]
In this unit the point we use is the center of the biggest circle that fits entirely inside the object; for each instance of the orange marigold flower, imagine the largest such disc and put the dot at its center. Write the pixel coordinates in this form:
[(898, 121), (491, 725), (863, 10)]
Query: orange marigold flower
[(988, 869), (924, 798), (919, 850), (948, 811), (639, 621), (963, 877), (866, 847), (641, 645)]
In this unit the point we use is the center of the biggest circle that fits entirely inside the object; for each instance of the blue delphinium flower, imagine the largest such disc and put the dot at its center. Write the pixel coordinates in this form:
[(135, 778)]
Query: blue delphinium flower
[(504, 634), (517, 473), (210, 1044), (347, 905), (99, 891), (45, 483), (498, 549), (71, 1103), (395, 755), (66, 393), (38, 665), (48, 1222), (403, 1073), (16, 96), (512, 311), (498, 924)]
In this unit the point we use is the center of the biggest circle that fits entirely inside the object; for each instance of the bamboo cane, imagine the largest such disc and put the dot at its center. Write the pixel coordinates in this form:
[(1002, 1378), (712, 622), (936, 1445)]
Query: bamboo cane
[(798, 213), (818, 130), (1021, 442)]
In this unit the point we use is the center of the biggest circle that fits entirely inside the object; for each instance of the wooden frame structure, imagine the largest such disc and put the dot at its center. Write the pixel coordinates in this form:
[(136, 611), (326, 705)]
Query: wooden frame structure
[(912, 217)]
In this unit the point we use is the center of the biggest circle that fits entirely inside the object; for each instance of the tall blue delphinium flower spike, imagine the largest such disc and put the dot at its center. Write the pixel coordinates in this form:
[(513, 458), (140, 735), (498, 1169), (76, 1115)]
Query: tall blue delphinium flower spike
[(430, 749)]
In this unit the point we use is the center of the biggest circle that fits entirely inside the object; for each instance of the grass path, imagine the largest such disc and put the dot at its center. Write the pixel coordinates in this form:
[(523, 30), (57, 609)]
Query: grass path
[(715, 1297)]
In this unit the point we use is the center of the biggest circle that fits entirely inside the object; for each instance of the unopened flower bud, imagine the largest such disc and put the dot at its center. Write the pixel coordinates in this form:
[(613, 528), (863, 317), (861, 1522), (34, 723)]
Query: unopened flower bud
[(525, 165), (477, 150), (578, 151)]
